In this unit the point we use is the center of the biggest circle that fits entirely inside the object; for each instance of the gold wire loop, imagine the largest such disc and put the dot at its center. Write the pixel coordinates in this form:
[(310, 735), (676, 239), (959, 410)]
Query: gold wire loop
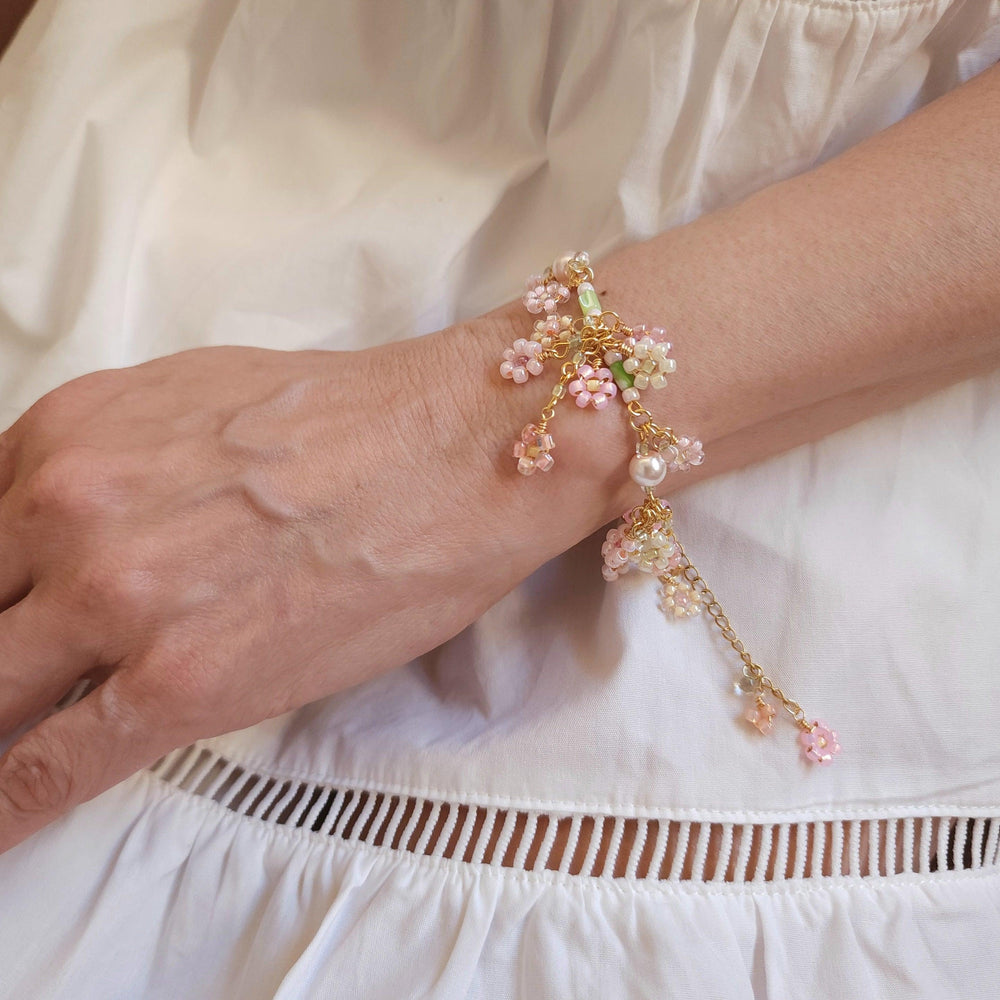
[(614, 325), (578, 273)]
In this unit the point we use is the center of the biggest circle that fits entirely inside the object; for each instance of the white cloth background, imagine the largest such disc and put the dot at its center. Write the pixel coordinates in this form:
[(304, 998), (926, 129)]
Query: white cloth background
[(298, 174)]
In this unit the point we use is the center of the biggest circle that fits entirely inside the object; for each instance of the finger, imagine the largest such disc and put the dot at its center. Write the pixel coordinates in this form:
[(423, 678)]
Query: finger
[(74, 755), (15, 575), (39, 659)]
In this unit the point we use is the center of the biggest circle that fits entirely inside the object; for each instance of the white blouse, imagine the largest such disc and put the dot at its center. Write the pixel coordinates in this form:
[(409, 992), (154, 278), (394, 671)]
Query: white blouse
[(557, 802)]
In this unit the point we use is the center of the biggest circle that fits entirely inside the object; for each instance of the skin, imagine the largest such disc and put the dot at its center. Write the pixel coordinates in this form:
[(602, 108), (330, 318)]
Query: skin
[(12, 13), (225, 534)]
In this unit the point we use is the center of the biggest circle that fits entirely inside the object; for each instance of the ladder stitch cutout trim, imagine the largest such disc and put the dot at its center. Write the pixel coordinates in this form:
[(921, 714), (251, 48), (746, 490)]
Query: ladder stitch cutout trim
[(594, 845)]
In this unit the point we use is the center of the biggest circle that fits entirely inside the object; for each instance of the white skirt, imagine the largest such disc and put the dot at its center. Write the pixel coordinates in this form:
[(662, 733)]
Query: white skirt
[(555, 803)]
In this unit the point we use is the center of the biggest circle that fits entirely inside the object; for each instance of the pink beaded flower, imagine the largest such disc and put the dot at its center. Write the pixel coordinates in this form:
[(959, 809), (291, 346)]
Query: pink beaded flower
[(681, 456), (532, 451), (820, 743), (521, 360), (594, 387), (761, 714), (617, 550), (543, 296)]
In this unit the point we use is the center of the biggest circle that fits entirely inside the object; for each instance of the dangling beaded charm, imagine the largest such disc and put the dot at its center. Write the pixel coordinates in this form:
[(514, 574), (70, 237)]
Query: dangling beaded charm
[(678, 599), (532, 451), (819, 743), (602, 359), (761, 715)]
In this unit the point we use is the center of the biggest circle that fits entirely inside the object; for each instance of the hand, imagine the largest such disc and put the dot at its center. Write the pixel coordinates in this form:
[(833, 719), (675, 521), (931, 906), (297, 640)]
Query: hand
[(222, 535)]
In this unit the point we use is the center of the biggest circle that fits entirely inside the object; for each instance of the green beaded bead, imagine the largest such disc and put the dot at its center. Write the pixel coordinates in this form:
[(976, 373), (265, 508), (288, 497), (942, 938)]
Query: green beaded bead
[(622, 378), (590, 304)]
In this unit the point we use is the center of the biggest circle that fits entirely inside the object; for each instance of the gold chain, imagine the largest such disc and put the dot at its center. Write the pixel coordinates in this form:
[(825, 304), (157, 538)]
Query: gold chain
[(750, 668)]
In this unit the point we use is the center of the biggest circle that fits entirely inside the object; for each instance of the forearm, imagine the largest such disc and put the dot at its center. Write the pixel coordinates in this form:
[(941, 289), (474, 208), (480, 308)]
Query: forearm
[(819, 301), (877, 269)]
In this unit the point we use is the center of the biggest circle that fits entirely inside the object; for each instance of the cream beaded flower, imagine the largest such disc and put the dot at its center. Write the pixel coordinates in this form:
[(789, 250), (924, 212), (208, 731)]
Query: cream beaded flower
[(650, 363), (678, 599)]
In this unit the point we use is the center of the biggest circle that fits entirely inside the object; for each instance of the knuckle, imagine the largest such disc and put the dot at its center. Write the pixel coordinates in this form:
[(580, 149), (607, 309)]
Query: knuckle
[(172, 689), (63, 482), (121, 711), (181, 681), (36, 779), (112, 584), (49, 414)]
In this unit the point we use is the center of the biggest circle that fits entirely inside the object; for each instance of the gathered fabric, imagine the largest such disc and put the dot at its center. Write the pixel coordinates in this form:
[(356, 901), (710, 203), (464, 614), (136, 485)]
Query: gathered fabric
[(557, 802)]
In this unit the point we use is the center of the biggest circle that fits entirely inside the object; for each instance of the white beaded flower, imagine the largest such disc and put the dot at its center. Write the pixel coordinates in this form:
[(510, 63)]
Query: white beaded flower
[(682, 455), (678, 599), (542, 296), (650, 364)]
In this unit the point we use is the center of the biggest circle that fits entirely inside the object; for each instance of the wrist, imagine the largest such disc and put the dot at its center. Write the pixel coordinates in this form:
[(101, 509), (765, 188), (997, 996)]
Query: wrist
[(589, 484), (593, 450)]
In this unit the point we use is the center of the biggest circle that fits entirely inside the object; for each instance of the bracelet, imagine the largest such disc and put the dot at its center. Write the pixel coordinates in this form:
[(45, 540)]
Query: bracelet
[(602, 358)]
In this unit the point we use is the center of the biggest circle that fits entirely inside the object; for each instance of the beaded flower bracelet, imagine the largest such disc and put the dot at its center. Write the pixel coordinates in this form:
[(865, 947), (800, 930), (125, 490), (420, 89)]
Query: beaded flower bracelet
[(602, 359)]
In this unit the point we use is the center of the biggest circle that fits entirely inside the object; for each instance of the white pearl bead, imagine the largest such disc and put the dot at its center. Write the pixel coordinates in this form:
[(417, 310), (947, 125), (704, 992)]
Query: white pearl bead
[(648, 470), (630, 395), (560, 264)]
